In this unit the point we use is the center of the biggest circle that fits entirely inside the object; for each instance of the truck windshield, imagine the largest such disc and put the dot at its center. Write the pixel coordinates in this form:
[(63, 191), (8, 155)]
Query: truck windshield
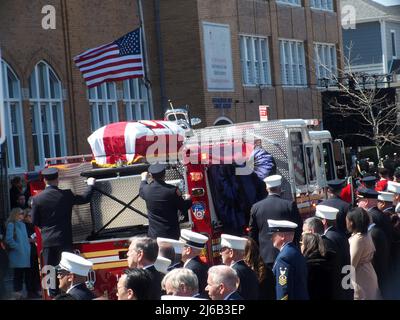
[(328, 161), (296, 142)]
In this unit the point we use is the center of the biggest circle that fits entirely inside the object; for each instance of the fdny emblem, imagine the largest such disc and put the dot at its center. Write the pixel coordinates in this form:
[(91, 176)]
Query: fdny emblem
[(198, 209), (282, 278)]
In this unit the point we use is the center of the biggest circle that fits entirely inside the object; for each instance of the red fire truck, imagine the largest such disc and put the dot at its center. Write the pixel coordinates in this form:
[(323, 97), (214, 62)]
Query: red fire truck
[(213, 164)]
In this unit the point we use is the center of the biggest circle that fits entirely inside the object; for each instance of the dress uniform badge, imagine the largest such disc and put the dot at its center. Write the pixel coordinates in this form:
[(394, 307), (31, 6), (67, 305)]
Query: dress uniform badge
[(282, 278)]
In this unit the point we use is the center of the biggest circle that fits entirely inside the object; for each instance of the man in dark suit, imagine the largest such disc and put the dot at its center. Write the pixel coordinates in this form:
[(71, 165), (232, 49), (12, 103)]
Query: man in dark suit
[(232, 253), (275, 208), (222, 283), (52, 213), (142, 253), (338, 243), (290, 268), (163, 202), (194, 243), (334, 200), (72, 272)]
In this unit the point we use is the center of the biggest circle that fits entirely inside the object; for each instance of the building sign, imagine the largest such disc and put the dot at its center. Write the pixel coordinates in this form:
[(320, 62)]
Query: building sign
[(2, 113), (218, 56), (222, 103), (263, 110)]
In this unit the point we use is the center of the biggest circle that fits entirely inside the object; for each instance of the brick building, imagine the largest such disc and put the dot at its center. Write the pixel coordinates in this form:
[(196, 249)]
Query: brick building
[(224, 58)]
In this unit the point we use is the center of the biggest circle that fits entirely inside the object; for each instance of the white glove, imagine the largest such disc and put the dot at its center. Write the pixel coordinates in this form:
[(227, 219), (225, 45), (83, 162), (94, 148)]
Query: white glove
[(90, 181), (145, 176)]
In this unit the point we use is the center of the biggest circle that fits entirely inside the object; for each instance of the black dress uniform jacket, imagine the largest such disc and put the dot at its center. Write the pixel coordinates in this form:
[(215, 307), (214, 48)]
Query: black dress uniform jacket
[(162, 203), (234, 296), (249, 285), (156, 278), (343, 207), (81, 292), (52, 212), (200, 269), (276, 208)]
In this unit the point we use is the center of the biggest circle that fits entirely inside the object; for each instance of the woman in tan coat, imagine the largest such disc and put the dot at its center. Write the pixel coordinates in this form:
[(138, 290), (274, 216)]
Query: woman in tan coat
[(362, 251)]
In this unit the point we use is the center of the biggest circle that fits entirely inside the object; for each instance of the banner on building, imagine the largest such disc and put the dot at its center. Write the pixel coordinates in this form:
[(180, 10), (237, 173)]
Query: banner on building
[(218, 56), (2, 113), (263, 110)]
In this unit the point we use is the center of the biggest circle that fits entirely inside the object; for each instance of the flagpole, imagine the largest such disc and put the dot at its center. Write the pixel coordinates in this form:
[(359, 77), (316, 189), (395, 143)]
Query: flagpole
[(146, 60), (2, 111)]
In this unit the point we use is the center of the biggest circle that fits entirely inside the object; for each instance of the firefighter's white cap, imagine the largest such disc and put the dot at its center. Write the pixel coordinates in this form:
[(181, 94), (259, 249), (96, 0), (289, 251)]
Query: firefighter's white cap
[(162, 264), (386, 196), (233, 242), (326, 212), (273, 181), (178, 245), (193, 239), (74, 264), (393, 187)]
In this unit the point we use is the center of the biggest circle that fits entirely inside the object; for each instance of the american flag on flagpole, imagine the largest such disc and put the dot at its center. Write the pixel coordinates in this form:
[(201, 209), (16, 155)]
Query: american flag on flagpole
[(116, 61)]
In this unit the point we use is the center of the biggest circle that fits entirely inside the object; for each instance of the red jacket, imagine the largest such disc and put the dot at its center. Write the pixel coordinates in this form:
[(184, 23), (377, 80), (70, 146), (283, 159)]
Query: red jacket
[(381, 185)]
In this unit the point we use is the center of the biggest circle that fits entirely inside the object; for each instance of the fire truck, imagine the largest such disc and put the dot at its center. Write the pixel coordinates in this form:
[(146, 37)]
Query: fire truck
[(215, 165)]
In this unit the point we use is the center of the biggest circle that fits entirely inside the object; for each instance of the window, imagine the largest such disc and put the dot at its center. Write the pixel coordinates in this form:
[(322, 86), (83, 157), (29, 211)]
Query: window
[(322, 4), (103, 105), (312, 176), (14, 122), (325, 62), (296, 142), (254, 56), (328, 161), (136, 101), (293, 67), (291, 2), (393, 38), (47, 114)]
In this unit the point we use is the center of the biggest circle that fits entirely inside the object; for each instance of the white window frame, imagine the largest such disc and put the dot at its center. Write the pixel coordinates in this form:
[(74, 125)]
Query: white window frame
[(20, 134), (37, 103), (327, 60), (295, 3), (292, 63), (323, 5), (137, 107), (102, 105), (393, 44), (254, 72)]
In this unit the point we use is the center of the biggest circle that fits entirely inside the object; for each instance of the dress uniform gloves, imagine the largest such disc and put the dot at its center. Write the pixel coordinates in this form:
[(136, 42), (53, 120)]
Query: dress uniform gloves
[(90, 181)]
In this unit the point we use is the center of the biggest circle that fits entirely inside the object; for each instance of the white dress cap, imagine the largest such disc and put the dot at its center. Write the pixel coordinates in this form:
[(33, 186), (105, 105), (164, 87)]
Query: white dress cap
[(273, 181), (193, 239), (326, 212), (162, 264), (386, 196), (178, 245), (75, 264), (233, 242), (393, 187), (281, 226)]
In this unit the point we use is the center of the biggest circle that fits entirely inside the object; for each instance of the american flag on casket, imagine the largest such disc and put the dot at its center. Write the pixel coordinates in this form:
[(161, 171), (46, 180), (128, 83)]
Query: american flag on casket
[(129, 142)]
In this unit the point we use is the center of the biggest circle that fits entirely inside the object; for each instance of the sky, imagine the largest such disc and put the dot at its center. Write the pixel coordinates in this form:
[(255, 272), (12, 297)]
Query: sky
[(388, 2)]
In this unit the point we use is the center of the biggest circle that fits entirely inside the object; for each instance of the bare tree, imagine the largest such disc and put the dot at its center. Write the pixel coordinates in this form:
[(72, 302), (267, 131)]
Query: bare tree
[(370, 108)]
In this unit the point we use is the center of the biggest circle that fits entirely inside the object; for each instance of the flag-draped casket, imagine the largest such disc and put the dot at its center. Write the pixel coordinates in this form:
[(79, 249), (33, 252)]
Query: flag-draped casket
[(129, 142)]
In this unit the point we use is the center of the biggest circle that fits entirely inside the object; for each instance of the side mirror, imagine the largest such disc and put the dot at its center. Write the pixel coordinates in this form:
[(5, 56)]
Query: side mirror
[(195, 121)]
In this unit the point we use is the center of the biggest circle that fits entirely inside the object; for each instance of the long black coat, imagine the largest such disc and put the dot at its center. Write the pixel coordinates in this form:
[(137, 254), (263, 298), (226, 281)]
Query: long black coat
[(200, 269), (52, 213), (249, 285), (163, 203), (343, 207), (276, 208)]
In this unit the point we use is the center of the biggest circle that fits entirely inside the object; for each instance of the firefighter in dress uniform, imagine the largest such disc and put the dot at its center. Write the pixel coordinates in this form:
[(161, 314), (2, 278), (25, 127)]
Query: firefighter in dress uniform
[(177, 246), (72, 272), (163, 202), (290, 268), (52, 213)]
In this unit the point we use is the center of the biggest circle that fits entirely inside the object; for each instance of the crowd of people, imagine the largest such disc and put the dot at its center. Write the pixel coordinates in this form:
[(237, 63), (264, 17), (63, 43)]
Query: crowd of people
[(349, 250)]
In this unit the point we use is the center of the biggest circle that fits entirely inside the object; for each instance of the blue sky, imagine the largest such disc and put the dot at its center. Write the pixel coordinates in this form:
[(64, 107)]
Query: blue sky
[(388, 2)]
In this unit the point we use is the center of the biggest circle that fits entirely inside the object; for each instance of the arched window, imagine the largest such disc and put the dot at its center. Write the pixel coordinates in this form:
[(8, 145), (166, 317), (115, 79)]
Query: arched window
[(14, 121), (136, 100), (47, 114), (103, 105)]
